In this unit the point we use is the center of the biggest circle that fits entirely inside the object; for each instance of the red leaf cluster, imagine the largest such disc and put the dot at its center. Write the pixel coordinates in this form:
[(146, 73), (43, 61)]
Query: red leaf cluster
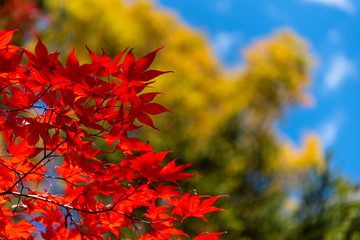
[(52, 119), (23, 14)]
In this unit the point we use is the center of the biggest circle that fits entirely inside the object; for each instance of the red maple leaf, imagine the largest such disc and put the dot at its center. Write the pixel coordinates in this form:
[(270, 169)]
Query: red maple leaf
[(56, 117), (188, 206)]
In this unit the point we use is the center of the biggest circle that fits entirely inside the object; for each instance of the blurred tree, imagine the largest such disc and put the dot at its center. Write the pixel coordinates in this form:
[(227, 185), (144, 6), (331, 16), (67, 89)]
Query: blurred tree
[(24, 15), (328, 209), (224, 121)]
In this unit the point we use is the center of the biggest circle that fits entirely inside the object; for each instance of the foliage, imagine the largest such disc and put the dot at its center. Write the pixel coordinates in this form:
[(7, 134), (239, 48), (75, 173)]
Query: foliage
[(23, 15), (328, 207), (52, 180), (222, 120)]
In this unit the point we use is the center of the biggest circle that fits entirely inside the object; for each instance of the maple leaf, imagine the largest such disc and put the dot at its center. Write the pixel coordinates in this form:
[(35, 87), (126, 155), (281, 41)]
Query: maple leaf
[(188, 206), (5, 39), (21, 230), (42, 59), (141, 108), (9, 63), (35, 129), (71, 109), (172, 173), (209, 236), (105, 65), (136, 71), (74, 71)]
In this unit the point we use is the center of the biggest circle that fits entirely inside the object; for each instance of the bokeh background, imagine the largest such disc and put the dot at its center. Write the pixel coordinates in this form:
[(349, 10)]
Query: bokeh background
[(264, 95)]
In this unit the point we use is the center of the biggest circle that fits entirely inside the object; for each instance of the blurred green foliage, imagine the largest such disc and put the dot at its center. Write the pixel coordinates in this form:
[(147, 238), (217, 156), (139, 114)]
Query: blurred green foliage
[(329, 208), (223, 120)]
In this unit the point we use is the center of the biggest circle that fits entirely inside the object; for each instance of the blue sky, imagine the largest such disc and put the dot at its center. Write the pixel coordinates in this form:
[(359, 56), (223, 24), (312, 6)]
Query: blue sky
[(332, 29)]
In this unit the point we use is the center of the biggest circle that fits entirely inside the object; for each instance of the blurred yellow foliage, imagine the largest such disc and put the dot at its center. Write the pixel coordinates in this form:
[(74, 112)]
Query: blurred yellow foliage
[(276, 73), (301, 159)]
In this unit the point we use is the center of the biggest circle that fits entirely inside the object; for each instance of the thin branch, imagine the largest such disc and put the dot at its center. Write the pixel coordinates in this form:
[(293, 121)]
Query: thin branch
[(30, 171), (76, 225), (67, 206), (97, 109)]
